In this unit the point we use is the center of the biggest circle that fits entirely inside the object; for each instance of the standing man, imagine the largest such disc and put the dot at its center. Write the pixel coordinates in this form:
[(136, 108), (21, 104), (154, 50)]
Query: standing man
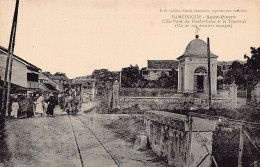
[(30, 108), (51, 105)]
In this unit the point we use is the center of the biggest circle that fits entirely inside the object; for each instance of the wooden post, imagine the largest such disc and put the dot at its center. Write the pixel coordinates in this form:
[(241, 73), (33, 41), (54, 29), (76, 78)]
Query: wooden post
[(9, 85), (190, 136), (120, 79), (10, 60), (209, 73), (241, 143), (10, 72)]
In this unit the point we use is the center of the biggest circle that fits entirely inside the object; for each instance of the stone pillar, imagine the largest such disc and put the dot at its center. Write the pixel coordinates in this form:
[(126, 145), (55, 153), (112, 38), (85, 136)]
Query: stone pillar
[(116, 87), (255, 94), (93, 91), (233, 94), (180, 143)]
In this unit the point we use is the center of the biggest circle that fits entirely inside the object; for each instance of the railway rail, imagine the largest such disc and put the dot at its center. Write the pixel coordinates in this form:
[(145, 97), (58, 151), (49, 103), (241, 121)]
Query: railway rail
[(95, 136)]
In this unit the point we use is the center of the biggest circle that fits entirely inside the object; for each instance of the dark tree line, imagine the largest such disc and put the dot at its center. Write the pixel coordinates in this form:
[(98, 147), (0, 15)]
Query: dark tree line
[(244, 75)]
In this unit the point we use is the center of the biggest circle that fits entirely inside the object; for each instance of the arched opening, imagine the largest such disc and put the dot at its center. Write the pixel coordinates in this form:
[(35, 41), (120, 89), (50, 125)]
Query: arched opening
[(200, 80)]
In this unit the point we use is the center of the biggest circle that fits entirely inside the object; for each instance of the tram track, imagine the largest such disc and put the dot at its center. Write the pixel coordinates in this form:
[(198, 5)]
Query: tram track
[(76, 141), (95, 136)]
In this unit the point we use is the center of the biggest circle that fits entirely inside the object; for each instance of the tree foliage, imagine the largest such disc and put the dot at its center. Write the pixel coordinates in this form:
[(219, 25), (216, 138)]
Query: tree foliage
[(252, 66), (165, 81), (133, 77), (244, 75), (253, 62), (104, 80), (236, 74)]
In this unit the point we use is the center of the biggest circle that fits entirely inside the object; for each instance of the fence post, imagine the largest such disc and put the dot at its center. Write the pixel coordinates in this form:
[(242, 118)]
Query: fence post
[(115, 92), (255, 94), (241, 143), (233, 94)]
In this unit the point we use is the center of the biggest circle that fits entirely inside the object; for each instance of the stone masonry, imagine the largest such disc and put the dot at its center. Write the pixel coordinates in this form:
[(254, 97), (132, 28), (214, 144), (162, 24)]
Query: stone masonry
[(177, 141)]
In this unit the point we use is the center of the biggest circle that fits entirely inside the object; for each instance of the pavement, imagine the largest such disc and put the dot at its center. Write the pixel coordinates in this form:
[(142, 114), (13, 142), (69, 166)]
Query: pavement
[(65, 141)]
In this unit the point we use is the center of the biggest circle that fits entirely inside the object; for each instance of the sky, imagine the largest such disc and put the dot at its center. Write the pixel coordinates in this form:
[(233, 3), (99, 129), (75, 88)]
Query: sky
[(79, 36)]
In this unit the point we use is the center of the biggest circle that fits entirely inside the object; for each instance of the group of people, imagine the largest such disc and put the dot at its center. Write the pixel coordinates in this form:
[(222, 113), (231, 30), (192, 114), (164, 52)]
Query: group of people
[(69, 101), (37, 104)]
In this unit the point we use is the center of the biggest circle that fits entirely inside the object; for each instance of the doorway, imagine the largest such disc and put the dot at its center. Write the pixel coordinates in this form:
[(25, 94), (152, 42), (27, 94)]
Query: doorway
[(200, 83)]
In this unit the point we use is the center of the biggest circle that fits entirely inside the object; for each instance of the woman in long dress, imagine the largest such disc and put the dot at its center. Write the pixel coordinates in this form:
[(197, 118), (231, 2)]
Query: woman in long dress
[(39, 105), (51, 105), (15, 108)]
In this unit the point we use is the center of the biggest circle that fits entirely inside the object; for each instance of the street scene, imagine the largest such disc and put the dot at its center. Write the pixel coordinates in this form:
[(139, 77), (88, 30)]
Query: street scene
[(69, 141), (129, 83)]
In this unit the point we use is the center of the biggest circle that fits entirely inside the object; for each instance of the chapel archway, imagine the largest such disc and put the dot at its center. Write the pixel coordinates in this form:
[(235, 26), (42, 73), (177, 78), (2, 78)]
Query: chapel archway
[(200, 79)]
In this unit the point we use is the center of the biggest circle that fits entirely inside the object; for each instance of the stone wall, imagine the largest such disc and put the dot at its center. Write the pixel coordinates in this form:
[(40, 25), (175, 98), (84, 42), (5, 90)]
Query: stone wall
[(178, 140), (147, 92), (220, 100), (172, 103)]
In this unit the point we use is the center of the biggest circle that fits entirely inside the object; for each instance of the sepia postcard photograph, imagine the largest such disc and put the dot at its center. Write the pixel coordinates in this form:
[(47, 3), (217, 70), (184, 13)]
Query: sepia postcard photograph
[(133, 83)]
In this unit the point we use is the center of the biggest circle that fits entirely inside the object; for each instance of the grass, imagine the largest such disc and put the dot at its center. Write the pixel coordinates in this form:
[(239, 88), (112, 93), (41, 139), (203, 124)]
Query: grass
[(127, 127)]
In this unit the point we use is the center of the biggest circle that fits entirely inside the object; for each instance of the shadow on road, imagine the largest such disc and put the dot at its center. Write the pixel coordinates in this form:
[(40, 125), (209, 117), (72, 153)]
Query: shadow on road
[(5, 154)]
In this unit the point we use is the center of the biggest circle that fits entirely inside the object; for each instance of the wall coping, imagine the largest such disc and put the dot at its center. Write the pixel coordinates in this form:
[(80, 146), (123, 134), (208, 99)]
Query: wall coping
[(142, 97), (180, 122)]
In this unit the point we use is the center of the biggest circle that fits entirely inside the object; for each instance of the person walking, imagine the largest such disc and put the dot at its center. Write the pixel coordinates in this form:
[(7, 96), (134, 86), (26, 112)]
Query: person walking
[(51, 105), (15, 108), (39, 105)]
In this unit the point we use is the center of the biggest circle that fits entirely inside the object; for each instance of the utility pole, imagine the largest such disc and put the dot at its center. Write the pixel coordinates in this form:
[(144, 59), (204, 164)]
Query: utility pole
[(209, 73), (120, 78), (9, 62)]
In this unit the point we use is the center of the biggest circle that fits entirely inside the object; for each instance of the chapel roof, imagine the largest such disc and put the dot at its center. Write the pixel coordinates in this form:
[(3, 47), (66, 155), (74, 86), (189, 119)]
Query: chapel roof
[(197, 48)]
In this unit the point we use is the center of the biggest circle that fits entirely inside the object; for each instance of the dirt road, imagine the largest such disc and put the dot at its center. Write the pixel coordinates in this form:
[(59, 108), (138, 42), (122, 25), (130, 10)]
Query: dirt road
[(68, 141)]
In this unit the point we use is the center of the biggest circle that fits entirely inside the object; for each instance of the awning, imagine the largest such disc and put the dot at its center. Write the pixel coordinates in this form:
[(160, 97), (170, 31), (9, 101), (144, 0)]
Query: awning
[(14, 87)]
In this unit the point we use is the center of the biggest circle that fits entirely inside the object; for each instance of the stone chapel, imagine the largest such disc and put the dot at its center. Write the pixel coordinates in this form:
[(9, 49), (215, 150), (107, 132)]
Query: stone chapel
[(193, 68)]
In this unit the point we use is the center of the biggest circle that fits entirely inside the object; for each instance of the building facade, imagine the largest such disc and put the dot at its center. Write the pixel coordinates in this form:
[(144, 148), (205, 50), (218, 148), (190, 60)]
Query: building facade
[(156, 67), (47, 84), (88, 89), (25, 76), (193, 68)]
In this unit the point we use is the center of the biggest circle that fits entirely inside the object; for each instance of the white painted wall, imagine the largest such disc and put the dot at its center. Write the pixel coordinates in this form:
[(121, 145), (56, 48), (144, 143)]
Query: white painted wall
[(19, 73)]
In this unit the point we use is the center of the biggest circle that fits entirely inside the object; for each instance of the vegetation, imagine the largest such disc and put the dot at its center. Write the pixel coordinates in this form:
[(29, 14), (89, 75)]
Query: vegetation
[(128, 127), (245, 75), (104, 80), (132, 77)]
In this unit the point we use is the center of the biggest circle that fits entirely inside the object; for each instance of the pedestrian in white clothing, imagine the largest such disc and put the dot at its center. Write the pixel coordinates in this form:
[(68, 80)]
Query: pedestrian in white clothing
[(15, 108), (39, 105)]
